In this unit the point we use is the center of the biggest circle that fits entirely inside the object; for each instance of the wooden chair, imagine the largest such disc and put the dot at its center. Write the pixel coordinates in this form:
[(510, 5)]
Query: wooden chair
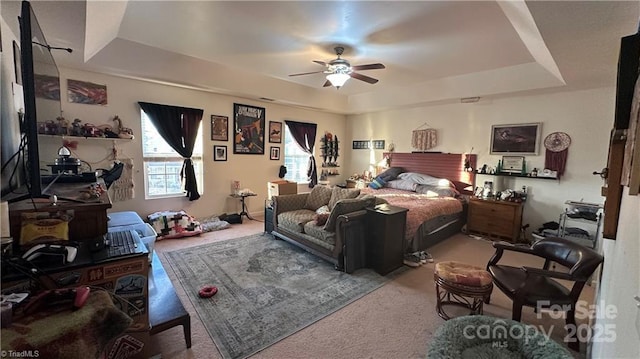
[(538, 288)]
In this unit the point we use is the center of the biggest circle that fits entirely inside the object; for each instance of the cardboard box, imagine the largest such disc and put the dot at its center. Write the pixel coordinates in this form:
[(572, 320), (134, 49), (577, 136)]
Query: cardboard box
[(278, 188)]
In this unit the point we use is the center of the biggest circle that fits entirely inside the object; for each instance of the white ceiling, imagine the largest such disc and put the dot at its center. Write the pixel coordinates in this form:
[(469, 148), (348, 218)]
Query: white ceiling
[(434, 51)]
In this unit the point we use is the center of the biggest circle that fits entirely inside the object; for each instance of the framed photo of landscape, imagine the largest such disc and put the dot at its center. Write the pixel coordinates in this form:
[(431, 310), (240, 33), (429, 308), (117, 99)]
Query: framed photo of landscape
[(517, 139), (248, 127)]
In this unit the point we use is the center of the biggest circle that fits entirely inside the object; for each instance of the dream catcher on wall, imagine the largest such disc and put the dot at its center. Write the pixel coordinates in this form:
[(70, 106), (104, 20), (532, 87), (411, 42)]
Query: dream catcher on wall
[(557, 145)]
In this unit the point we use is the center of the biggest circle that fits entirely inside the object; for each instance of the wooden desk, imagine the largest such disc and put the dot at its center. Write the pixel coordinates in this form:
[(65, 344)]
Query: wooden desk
[(90, 216)]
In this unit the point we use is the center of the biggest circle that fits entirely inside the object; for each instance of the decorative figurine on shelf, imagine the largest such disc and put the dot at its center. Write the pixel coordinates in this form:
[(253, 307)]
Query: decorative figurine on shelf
[(63, 126), (76, 127), (335, 150), (123, 132)]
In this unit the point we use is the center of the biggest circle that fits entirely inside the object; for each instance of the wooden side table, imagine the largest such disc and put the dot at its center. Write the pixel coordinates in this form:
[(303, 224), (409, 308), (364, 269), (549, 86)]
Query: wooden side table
[(385, 246)]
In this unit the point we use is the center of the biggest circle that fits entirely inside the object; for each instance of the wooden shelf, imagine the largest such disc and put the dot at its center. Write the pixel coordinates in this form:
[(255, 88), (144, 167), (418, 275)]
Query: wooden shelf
[(68, 137), (516, 175)]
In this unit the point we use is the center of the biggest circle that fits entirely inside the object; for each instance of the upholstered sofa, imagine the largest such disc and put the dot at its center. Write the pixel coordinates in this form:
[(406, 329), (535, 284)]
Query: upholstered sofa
[(328, 222)]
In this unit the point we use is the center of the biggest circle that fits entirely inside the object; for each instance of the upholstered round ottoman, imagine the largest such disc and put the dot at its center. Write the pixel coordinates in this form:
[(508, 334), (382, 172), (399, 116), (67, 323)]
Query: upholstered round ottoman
[(485, 337), (461, 284)]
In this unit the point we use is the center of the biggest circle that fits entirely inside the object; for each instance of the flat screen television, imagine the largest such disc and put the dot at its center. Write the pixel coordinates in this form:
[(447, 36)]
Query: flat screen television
[(21, 176)]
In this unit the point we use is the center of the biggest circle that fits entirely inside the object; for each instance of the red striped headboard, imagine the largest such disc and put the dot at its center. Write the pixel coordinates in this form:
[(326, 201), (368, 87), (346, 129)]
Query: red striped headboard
[(443, 165)]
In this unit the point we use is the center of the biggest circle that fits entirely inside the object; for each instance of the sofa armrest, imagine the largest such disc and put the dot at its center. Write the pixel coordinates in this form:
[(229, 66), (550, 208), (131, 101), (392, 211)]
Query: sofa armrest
[(344, 220), (289, 202)]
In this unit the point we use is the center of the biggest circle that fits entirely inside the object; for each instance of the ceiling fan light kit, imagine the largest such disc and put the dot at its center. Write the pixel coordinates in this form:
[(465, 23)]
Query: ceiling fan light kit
[(340, 70), (338, 79)]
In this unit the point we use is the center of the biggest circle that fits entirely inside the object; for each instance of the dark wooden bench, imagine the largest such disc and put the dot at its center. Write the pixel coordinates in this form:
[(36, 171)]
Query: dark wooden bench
[(165, 308)]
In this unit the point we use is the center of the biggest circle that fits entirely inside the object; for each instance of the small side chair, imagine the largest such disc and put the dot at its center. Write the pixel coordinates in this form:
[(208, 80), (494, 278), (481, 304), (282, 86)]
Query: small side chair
[(538, 288)]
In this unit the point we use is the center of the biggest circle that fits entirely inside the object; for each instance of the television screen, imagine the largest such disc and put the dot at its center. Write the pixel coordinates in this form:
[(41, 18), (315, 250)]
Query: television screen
[(41, 91)]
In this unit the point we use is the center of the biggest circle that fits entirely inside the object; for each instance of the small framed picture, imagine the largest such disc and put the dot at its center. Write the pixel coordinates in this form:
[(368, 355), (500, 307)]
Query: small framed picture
[(219, 128), (219, 153), (275, 132), (274, 153)]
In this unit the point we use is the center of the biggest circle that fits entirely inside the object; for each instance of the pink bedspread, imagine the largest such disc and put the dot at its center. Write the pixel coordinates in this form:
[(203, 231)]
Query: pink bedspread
[(421, 207)]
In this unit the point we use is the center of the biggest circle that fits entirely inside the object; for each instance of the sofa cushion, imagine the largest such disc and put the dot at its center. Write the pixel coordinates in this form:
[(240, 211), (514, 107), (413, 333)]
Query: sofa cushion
[(319, 196), (338, 194), (295, 220), (318, 232), (345, 206)]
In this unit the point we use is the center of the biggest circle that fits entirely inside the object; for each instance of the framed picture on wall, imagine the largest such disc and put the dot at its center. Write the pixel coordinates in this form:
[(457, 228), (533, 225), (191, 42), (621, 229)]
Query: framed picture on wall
[(275, 132), (517, 139), (219, 153), (274, 153), (248, 127), (219, 128)]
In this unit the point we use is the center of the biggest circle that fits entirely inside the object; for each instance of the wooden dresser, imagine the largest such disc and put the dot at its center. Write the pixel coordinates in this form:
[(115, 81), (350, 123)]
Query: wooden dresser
[(495, 219)]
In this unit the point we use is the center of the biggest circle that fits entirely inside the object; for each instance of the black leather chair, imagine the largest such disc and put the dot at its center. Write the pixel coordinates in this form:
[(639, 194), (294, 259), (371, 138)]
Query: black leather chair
[(538, 288)]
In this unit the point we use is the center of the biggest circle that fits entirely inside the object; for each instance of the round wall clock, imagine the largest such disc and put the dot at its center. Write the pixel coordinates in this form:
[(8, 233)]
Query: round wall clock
[(557, 141)]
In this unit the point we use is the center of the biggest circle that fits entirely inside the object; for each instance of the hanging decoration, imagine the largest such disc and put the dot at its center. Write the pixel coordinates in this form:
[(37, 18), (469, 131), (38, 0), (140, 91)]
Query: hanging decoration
[(557, 145), (425, 139)]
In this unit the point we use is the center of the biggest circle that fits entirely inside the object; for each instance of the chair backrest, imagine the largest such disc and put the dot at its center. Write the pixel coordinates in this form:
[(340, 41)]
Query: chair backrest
[(581, 260)]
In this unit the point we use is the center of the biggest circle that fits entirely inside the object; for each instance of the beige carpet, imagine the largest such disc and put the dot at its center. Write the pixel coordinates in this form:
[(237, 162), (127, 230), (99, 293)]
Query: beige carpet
[(395, 321)]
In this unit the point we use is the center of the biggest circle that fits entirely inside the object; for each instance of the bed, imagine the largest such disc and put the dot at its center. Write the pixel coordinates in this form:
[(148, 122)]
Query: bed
[(435, 212)]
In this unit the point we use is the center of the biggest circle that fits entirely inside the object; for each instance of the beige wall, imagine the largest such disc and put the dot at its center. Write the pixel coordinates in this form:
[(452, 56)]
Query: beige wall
[(586, 116), (253, 171)]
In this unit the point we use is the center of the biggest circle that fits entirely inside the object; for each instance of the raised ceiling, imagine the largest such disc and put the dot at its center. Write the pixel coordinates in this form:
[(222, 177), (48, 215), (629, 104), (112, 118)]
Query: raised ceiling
[(434, 51)]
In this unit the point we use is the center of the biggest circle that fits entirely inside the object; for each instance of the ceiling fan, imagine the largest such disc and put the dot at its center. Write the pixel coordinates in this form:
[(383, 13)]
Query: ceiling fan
[(340, 70)]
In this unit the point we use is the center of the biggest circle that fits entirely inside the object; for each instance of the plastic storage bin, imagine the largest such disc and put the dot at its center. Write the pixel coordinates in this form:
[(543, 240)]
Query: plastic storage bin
[(129, 220)]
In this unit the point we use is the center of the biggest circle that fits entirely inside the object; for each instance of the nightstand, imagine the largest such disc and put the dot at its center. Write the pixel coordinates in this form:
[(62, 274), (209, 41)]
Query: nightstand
[(495, 219), (385, 242)]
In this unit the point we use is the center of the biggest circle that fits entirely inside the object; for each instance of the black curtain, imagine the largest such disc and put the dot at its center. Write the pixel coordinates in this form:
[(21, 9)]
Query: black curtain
[(305, 135), (179, 127)]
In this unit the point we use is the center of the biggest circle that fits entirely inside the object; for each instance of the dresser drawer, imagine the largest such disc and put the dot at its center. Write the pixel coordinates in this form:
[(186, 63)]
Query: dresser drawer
[(495, 218)]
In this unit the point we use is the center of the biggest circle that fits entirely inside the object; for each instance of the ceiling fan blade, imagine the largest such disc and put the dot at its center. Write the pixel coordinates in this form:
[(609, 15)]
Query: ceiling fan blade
[(327, 83), (307, 73), (368, 67), (364, 78), (320, 62)]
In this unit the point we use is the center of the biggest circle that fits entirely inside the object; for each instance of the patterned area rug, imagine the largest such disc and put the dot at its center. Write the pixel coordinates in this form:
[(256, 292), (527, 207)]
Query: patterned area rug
[(267, 290)]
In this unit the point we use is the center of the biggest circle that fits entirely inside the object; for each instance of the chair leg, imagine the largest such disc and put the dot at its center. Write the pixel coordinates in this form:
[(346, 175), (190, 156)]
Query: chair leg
[(574, 342), (516, 311)]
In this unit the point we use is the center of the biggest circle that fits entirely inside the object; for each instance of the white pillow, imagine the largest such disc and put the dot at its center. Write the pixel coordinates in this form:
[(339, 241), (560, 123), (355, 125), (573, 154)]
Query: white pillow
[(402, 184), (420, 178)]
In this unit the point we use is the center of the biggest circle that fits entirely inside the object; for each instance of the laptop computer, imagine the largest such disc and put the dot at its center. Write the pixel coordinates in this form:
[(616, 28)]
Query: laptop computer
[(120, 245)]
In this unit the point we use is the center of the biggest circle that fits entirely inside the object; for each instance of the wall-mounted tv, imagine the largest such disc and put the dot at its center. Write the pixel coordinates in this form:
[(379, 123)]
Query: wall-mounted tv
[(41, 91)]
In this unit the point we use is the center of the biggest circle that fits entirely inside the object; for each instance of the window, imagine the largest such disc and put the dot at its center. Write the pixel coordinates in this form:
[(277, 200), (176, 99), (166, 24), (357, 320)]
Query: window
[(162, 164), (295, 159)]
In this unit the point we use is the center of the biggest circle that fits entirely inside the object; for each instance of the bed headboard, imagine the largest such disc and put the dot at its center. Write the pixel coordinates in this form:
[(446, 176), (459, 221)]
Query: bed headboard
[(443, 165)]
